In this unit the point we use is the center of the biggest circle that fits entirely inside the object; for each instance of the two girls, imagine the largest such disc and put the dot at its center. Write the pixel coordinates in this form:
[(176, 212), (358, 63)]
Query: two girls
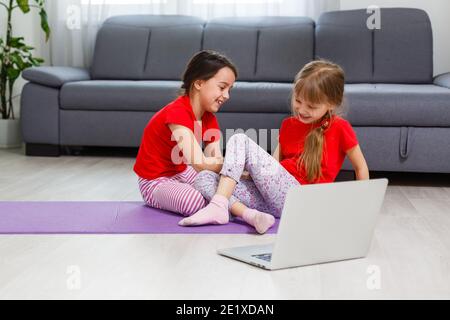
[(313, 144), (249, 183)]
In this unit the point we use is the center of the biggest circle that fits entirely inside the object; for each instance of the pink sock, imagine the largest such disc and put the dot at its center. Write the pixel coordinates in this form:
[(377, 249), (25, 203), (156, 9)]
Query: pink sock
[(216, 212), (260, 220)]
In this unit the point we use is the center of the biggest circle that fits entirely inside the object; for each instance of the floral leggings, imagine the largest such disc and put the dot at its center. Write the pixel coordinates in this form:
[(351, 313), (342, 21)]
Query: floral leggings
[(270, 182)]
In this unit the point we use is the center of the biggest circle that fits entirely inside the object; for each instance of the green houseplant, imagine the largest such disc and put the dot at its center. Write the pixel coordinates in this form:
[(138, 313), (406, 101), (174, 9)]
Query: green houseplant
[(15, 56)]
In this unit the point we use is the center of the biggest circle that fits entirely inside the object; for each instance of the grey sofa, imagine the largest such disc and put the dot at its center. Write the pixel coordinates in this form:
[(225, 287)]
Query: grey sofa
[(400, 112)]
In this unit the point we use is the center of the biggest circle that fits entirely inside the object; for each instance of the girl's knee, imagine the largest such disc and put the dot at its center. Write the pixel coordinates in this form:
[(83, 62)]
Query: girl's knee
[(197, 203), (205, 178), (237, 137), (149, 201), (236, 143)]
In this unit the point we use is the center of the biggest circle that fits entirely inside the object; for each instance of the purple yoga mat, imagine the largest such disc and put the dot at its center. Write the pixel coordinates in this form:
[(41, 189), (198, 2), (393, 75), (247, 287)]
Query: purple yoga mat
[(105, 217)]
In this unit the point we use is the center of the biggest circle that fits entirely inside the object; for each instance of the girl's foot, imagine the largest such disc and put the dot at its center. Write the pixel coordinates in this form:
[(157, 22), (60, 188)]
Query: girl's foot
[(260, 220), (216, 212)]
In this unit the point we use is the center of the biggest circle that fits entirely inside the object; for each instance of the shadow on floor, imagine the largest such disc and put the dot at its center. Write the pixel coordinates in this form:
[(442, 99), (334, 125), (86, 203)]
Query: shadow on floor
[(404, 178), (414, 178)]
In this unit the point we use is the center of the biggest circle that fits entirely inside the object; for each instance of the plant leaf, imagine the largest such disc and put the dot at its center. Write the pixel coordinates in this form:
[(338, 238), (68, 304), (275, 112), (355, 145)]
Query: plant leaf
[(44, 24), (17, 59), (17, 42), (36, 61), (24, 5), (13, 73)]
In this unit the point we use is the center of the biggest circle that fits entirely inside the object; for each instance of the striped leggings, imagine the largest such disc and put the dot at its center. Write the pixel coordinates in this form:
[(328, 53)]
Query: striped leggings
[(175, 193)]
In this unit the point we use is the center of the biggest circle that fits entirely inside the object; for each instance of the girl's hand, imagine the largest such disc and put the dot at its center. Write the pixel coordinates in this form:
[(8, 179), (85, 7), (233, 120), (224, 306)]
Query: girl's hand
[(192, 152), (246, 176)]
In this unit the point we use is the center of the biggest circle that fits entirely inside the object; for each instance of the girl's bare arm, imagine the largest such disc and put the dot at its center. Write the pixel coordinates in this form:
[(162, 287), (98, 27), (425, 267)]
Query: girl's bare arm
[(359, 164), (192, 152), (277, 154)]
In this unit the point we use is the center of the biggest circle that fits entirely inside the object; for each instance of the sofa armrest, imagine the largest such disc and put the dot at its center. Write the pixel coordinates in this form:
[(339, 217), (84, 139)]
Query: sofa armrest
[(55, 76), (443, 80)]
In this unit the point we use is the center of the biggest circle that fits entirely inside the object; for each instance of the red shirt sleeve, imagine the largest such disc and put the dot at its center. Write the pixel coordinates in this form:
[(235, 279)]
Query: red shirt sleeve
[(348, 137), (181, 116)]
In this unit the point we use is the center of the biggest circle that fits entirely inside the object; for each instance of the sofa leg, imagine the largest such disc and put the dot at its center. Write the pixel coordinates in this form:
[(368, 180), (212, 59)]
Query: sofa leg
[(42, 150)]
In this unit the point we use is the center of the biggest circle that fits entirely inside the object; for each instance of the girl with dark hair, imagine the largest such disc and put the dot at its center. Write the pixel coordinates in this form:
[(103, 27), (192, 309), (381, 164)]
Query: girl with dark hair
[(170, 154)]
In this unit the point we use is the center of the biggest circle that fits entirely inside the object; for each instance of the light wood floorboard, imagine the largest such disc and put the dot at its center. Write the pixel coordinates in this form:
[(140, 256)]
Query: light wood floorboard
[(411, 246)]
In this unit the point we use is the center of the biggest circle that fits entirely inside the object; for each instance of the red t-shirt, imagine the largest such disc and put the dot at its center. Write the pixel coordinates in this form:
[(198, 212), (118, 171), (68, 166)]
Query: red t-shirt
[(339, 138), (154, 158)]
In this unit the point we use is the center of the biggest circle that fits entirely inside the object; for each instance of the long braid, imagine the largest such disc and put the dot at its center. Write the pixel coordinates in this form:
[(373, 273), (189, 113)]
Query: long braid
[(311, 157)]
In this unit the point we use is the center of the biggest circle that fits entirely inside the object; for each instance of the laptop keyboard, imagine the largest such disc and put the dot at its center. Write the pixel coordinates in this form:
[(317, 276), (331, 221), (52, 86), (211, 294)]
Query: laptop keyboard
[(264, 256)]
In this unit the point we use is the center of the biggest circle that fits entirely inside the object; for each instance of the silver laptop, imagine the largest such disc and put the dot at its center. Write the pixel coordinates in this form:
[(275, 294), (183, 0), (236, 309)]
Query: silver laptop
[(320, 223)]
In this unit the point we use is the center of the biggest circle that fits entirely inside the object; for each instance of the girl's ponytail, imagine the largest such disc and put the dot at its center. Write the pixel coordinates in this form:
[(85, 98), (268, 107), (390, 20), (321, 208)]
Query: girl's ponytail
[(312, 155)]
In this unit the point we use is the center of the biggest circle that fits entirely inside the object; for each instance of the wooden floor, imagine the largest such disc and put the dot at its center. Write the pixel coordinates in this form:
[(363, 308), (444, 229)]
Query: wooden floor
[(409, 257)]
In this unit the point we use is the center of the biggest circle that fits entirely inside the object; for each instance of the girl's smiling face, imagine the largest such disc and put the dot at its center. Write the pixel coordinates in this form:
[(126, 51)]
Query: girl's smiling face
[(215, 91), (309, 113)]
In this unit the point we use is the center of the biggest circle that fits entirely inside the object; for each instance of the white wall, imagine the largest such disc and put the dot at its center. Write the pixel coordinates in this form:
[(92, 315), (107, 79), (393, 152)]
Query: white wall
[(439, 12)]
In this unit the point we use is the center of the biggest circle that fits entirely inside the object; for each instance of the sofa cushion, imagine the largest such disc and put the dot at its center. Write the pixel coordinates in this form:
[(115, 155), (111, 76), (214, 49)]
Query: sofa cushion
[(259, 97), (118, 95), (343, 37), (401, 51), (403, 47), (398, 105), (113, 58), (246, 97), (366, 104), (263, 48), (162, 45)]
